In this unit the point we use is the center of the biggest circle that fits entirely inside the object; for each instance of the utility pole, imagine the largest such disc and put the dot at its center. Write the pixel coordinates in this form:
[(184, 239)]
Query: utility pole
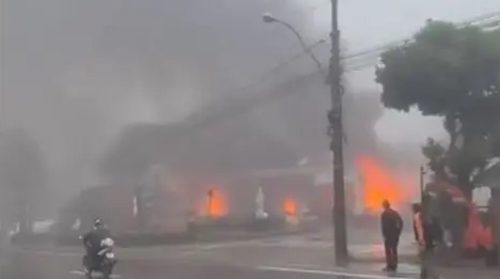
[(335, 130), (422, 182), (336, 145)]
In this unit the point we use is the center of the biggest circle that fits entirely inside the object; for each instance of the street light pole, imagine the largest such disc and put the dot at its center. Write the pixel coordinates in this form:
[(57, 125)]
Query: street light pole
[(268, 18), (335, 130), (336, 145), (303, 44)]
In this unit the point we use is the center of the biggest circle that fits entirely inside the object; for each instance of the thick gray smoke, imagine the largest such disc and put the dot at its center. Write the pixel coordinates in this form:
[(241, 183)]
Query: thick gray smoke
[(74, 72)]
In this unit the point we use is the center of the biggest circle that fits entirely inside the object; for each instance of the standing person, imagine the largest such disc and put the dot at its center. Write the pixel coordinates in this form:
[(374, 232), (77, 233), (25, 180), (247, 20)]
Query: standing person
[(429, 235), (392, 225), (416, 209)]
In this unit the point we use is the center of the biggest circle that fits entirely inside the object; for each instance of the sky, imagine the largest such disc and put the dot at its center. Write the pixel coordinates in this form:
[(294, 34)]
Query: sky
[(75, 71), (370, 23)]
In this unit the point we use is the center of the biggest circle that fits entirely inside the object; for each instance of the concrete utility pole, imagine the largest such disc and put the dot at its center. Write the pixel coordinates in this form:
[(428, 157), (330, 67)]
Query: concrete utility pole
[(337, 136), (335, 130)]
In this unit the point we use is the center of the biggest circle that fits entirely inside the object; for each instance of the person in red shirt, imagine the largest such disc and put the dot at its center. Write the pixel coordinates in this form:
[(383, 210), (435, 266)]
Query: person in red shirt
[(417, 225)]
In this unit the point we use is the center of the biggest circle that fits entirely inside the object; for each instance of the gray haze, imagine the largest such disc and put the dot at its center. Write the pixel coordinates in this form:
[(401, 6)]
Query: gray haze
[(367, 23), (74, 72)]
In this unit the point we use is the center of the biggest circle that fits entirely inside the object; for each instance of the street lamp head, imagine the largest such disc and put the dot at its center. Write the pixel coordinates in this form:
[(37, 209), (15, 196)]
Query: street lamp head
[(268, 18)]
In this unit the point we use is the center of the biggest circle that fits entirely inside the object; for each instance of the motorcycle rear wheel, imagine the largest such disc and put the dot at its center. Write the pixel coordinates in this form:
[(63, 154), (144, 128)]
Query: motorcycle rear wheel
[(107, 270), (106, 275)]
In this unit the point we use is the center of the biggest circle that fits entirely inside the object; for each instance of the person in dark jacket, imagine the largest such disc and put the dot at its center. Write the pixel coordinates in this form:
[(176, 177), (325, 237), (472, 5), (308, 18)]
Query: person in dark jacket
[(92, 241), (392, 225)]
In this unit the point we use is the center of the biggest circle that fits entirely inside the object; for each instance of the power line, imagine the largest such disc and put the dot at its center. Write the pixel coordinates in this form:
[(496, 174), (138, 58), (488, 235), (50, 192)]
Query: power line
[(286, 89), (259, 81), (369, 54), (479, 21), (487, 22), (373, 53), (364, 59)]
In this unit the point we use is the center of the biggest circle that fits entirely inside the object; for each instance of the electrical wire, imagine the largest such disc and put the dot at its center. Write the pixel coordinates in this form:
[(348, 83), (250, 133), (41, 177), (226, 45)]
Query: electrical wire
[(365, 58)]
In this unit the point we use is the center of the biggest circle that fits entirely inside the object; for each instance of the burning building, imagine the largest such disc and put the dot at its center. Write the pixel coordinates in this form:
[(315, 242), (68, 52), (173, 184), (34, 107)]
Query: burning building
[(378, 183), (223, 160)]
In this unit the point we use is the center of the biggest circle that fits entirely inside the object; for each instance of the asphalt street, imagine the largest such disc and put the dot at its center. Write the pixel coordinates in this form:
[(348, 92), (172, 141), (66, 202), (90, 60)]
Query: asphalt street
[(284, 257)]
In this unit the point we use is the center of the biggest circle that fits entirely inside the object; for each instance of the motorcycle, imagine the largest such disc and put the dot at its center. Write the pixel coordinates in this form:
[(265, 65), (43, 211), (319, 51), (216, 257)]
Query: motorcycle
[(104, 262)]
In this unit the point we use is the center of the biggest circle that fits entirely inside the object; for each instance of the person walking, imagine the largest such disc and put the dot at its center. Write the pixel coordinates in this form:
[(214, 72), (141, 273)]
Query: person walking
[(392, 225)]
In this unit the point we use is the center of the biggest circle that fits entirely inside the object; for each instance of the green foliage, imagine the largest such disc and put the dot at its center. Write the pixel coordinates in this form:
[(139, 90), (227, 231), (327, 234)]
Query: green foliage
[(450, 72), (444, 70), (436, 154), (433, 150)]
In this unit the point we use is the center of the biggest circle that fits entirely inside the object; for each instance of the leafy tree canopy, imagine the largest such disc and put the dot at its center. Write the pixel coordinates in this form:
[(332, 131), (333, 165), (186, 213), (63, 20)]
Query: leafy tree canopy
[(455, 73)]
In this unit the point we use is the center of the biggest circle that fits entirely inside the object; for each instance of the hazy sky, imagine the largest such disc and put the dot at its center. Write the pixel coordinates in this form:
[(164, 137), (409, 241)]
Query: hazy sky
[(75, 71), (369, 23), (74, 68)]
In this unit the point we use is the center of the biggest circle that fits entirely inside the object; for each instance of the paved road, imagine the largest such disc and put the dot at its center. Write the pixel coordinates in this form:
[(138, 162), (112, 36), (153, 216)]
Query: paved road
[(285, 257), (67, 267), (308, 257)]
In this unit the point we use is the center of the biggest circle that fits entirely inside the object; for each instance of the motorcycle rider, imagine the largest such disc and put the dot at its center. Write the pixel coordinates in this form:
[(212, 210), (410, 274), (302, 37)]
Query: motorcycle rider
[(92, 241)]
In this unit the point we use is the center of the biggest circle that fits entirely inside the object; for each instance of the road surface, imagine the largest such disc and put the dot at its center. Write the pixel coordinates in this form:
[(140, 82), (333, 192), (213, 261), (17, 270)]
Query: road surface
[(276, 258)]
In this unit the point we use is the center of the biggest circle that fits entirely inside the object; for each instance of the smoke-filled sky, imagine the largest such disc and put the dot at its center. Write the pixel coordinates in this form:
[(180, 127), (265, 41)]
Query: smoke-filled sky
[(75, 71), (367, 23)]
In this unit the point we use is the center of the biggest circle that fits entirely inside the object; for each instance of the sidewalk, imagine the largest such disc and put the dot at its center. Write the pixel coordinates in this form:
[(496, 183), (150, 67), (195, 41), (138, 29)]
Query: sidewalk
[(409, 267), (312, 251), (367, 256), (367, 246)]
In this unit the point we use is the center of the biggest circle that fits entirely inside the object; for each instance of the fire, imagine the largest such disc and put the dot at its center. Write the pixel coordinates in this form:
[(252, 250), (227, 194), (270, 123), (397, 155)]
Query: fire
[(379, 184), (215, 204), (290, 207)]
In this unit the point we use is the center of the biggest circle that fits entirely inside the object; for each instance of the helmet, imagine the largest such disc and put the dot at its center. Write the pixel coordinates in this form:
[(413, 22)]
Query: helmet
[(108, 242), (98, 223)]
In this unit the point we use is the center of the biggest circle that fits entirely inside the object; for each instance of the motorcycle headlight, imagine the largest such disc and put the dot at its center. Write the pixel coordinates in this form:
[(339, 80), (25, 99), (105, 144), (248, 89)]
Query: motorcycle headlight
[(108, 242)]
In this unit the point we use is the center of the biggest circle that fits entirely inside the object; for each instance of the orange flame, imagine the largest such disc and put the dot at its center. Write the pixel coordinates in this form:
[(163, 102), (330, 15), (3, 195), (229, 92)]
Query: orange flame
[(379, 185), (215, 204), (290, 207)]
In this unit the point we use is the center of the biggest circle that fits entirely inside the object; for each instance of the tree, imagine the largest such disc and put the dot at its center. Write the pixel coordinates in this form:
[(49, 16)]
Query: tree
[(23, 179), (454, 73), (435, 153)]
